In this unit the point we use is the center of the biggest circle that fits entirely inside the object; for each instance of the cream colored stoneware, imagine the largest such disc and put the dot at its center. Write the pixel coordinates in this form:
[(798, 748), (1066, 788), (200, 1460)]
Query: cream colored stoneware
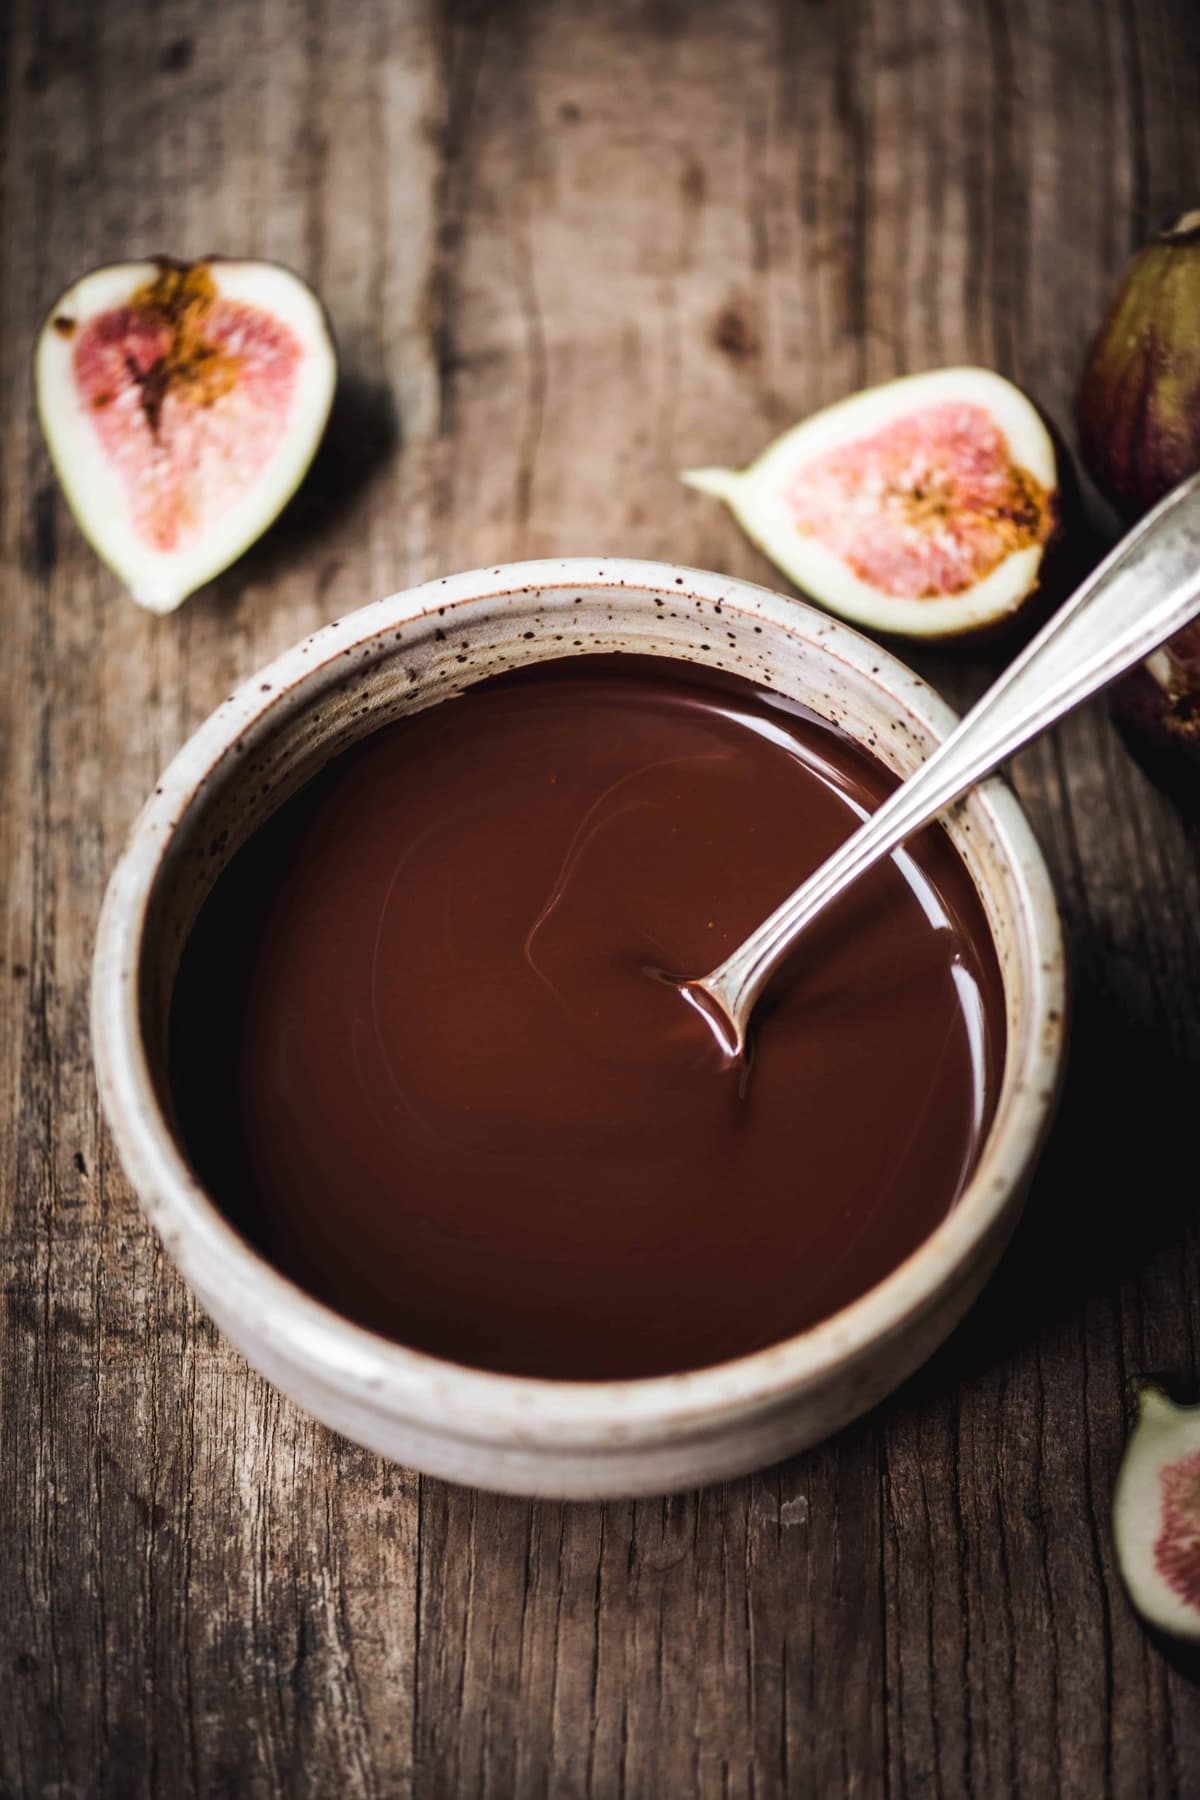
[(419, 648)]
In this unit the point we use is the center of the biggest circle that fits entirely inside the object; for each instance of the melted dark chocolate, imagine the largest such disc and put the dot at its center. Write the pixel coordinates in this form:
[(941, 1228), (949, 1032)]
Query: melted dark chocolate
[(422, 1061)]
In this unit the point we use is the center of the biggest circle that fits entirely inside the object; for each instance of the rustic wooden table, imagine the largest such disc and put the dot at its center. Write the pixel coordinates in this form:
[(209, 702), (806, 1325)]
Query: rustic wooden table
[(568, 250)]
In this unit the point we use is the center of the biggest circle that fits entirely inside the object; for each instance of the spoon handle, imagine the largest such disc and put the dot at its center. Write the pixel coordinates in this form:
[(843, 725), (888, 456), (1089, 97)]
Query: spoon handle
[(1145, 590)]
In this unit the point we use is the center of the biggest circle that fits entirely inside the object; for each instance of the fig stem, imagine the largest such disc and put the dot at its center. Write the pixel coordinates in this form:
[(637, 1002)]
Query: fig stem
[(721, 483)]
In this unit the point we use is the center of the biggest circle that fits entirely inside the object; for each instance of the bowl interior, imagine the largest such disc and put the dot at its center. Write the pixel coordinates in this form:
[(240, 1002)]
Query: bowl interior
[(421, 648), (389, 667)]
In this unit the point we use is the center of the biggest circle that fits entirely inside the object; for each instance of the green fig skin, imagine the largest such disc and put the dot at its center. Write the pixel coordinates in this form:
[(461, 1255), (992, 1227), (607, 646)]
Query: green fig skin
[(1138, 408)]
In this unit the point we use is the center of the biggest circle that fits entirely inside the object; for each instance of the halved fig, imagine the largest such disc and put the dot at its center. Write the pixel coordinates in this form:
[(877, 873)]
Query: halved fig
[(182, 404), (1156, 1513), (923, 507)]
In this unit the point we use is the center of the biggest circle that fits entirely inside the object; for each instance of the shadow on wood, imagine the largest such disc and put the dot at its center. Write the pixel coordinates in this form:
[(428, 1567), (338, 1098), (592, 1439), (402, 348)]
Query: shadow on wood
[(1107, 1195)]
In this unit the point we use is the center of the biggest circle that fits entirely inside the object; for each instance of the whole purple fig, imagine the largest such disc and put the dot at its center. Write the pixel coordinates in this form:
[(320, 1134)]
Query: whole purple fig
[(1139, 399), (1139, 434), (1158, 710)]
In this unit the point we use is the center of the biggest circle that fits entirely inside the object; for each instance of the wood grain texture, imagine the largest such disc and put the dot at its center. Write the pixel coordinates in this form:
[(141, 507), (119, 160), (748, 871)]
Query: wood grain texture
[(567, 251)]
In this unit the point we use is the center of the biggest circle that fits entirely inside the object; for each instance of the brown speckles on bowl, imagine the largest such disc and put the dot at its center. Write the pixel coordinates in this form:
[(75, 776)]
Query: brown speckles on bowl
[(523, 1436)]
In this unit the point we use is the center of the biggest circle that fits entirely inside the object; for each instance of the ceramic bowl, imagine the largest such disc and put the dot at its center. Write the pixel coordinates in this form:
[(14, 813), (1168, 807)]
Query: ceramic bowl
[(515, 1434)]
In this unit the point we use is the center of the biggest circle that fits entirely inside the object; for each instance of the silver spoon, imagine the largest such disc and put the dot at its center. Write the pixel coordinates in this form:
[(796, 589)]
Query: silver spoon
[(1141, 594)]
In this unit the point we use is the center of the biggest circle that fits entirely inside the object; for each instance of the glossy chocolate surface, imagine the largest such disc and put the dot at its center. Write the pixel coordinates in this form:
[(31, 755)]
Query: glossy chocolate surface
[(424, 1056)]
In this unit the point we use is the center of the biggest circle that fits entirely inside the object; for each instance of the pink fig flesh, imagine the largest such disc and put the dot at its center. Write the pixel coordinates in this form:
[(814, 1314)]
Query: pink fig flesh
[(1177, 1547), (925, 507), (928, 506), (152, 372), (1156, 1513), (182, 404)]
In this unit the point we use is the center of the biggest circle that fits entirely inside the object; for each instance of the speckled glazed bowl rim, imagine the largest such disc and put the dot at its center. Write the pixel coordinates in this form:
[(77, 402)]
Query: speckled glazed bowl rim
[(339, 1357)]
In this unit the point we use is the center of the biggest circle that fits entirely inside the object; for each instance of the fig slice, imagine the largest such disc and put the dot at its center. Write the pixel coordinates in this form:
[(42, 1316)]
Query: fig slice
[(923, 507), (182, 404), (1156, 1513)]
